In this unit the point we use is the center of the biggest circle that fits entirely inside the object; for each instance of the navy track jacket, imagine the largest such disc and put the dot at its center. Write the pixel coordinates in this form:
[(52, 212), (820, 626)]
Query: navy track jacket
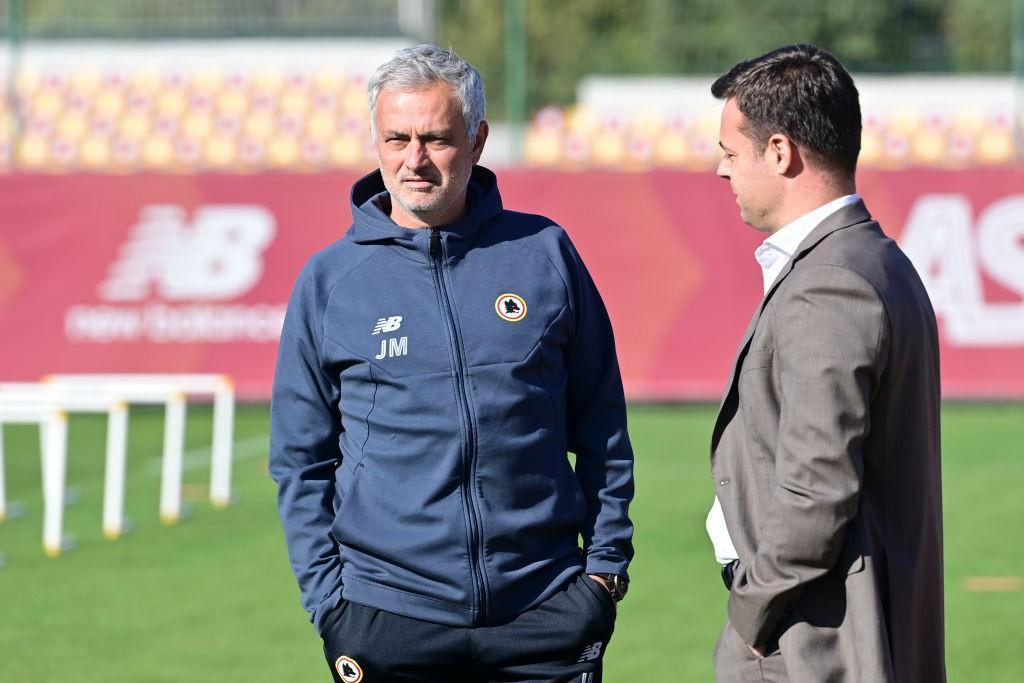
[(429, 385)]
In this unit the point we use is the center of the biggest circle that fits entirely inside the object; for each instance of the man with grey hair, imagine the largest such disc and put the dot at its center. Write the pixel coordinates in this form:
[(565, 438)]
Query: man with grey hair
[(436, 366)]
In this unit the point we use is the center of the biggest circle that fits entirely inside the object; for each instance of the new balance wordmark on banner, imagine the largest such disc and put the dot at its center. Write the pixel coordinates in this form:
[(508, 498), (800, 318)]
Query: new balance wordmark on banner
[(388, 324), (217, 256)]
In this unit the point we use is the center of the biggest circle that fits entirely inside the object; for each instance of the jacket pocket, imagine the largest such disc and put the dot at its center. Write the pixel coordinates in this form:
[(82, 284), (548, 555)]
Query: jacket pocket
[(346, 481), (757, 359), (760, 409)]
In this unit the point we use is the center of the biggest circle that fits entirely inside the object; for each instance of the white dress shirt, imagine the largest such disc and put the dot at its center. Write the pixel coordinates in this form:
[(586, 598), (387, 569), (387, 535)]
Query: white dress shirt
[(773, 255)]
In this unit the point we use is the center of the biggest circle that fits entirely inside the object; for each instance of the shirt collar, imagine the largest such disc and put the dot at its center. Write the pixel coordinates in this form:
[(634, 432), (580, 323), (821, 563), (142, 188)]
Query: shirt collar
[(788, 238)]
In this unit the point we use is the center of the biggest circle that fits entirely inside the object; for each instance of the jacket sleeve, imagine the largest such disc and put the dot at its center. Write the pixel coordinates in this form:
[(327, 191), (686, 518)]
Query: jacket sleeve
[(831, 336), (304, 430), (596, 425)]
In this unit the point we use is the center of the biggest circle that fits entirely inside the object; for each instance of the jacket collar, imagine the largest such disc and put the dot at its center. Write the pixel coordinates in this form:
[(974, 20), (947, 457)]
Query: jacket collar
[(371, 224)]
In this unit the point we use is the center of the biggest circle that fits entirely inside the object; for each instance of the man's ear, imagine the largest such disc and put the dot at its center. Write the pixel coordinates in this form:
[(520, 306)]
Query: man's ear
[(478, 142), (780, 154)]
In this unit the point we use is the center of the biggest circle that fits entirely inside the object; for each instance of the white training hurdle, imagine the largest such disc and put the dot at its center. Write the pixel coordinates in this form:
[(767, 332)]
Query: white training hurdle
[(112, 393), (53, 433), (88, 399), (175, 388), (15, 395)]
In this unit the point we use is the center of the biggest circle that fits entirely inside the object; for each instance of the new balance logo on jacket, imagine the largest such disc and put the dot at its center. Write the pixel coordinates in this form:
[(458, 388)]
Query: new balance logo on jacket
[(388, 324), (390, 348)]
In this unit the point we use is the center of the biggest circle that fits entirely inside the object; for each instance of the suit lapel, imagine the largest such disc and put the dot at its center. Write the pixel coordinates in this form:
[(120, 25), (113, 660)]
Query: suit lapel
[(848, 215)]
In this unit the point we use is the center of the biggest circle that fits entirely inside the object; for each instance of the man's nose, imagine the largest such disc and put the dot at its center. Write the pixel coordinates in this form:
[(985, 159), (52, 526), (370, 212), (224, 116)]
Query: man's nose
[(416, 155), (723, 169)]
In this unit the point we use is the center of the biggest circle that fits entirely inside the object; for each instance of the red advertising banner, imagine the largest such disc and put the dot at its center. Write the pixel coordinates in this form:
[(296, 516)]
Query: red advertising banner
[(192, 273)]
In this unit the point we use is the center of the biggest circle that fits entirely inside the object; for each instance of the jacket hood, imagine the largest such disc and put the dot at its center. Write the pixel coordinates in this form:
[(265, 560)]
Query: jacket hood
[(370, 203)]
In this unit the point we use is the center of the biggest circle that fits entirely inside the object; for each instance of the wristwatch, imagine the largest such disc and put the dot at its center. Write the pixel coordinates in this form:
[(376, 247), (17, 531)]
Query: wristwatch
[(617, 585)]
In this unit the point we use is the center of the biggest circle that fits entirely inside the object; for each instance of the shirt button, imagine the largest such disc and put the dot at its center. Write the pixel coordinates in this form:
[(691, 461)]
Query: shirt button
[(724, 482)]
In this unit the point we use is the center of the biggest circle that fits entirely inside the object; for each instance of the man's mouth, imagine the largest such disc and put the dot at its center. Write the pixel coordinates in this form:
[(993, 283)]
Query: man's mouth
[(417, 183)]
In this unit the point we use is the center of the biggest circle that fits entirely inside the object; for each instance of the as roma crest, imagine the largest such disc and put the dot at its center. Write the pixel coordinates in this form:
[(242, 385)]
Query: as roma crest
[(348, 670), (510, 307)]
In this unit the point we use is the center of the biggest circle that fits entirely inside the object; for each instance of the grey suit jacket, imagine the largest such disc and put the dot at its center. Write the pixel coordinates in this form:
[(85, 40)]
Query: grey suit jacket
[(825, 457)]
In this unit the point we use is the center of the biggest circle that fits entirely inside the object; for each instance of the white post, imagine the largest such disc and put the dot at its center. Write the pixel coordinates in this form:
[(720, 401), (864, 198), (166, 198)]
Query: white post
[(3, 481), (54, 473), (44, 440), (223, 437), (174, 446), (113, 488)]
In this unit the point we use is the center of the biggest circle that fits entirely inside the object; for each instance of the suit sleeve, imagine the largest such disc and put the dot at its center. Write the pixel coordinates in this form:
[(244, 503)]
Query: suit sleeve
[(596, 424), (304, 430), (831, 335)]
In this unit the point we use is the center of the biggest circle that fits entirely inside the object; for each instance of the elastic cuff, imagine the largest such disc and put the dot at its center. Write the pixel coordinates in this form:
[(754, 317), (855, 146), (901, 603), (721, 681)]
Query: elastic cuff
[(318, 615), (596, 566)]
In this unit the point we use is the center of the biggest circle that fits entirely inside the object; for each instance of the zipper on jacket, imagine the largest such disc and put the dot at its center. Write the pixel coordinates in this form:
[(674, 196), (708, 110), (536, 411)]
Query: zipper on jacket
[(469, 447), (435, 244)]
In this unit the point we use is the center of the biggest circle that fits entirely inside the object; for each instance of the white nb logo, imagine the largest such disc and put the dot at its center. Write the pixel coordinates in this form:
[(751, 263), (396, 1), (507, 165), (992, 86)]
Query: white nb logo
[(591, 652), (217, 257), (388, 324)]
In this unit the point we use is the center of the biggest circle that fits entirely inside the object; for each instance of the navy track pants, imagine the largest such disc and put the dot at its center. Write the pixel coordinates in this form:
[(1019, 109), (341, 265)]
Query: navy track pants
[(562, 640)]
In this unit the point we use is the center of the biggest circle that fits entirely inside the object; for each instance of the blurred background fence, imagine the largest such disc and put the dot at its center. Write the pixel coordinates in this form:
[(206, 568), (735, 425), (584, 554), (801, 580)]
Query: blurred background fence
[(594, 82)]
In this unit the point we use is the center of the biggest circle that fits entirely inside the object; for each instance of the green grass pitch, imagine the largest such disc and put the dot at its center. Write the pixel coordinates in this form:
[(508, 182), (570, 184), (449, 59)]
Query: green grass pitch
[(212, 598)]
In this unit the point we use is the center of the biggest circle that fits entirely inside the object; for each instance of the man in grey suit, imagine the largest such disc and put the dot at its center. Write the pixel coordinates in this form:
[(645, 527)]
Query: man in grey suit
[(825, 454)]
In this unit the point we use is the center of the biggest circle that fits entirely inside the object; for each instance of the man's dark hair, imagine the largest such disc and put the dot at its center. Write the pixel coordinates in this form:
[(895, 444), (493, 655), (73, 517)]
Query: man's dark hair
[(804, 93)]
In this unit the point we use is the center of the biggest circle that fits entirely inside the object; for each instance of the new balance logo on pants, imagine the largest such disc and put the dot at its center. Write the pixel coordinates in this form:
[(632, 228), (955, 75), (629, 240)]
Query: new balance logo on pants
[(591, 652)]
